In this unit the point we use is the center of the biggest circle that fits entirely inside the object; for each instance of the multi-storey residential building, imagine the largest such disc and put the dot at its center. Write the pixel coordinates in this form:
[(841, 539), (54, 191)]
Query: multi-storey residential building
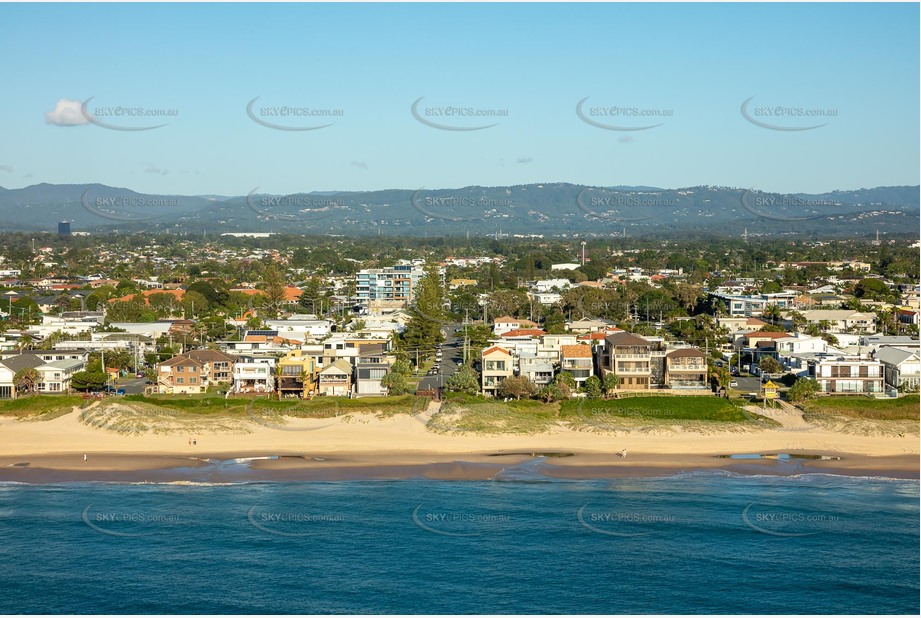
[(373, 364), (848, 375), (686, 368), (538, 370), (181, 374), (901, 367), (254, 375), (496, 366), (841, 320), (218, 365), (297, 374), (755, 304), (630, 358), (507, 323), (391, 285), (335, 379), (577, 360), (54, 370)]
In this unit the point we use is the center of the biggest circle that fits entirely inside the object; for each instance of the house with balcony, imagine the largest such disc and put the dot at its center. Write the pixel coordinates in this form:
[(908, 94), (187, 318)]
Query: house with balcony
[(254, 375), (335, 379), (630, 358), (539, 371), (297, 374), (842, 320), (577, 360), (496, 366), (218, 365), (373, 364), (901, 367), (181, 375), (686, 368), (848, 375)]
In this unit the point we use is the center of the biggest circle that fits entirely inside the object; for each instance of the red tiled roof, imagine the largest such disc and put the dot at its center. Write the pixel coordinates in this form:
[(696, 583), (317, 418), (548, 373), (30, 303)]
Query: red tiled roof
[(576, 351), (496, 348), (524, 332)]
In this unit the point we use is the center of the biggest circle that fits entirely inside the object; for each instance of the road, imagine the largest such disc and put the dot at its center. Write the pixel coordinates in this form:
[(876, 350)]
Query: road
[(452, 356), (748, 385), (134, 386)]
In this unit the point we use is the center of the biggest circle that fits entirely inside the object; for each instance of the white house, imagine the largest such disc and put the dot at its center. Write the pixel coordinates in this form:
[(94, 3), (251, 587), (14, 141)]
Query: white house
[(901, 367)]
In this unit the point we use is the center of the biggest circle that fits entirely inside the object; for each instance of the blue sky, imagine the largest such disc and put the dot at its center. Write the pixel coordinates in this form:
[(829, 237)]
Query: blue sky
[(694, 65)]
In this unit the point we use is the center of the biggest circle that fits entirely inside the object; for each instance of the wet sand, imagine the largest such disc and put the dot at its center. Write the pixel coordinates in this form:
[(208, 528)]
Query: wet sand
[(487, 465)]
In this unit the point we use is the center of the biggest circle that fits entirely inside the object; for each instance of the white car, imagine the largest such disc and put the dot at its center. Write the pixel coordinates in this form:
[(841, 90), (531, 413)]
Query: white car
[(733, 384)]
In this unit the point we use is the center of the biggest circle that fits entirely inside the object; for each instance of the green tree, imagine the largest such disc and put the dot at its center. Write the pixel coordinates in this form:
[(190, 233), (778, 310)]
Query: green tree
[(423, 331), (768, 364), (464, 380), (610, 383), (555, 323), (803, 388), (395, 383), (88, 380), (517, 387), (273, 291), (592, 387)]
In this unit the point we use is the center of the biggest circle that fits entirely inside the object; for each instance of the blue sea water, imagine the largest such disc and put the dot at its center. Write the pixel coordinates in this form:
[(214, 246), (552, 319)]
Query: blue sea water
[(704, 542)]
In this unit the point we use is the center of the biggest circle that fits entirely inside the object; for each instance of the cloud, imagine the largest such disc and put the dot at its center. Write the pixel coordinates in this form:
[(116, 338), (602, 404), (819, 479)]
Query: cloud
[(154, 169), (524, 160), (27, 175), (626, 139), (66, 113), (359, 164), (6, 168)]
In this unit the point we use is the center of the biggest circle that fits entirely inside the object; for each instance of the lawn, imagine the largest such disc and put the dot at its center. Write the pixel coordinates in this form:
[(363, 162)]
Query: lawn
[(864, 408), (40, 407), (653, 408)]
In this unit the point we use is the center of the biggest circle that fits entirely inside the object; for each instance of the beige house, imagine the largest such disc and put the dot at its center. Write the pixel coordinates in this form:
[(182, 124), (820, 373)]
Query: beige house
[(497, 365), (577, 360), (335, 379), (181, 375), (630, 358), (686, 368)]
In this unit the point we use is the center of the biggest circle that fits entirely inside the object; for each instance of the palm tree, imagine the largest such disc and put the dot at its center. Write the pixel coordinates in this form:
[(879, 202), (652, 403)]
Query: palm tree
[(772, 312), (26, 380)]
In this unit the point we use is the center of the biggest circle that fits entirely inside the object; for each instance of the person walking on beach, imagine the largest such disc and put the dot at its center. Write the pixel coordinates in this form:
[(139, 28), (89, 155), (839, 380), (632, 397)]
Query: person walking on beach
[(84, 457), (623, 453)]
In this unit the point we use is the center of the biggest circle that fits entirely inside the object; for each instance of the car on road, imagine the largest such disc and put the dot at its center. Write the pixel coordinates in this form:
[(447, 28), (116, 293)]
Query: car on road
[(139, 375), (733, 384)]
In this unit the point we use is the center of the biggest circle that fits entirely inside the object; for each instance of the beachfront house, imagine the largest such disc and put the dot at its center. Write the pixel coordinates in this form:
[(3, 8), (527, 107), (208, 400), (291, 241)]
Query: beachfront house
[(686, 368), (297, 374), (335, 379), (901, 367), (496, 366), (848, 375), (577, 360), (629, 357)]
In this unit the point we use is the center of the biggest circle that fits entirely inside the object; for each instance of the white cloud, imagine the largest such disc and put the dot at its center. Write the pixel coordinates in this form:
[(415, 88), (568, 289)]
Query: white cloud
[(66, 113), (154, 169)]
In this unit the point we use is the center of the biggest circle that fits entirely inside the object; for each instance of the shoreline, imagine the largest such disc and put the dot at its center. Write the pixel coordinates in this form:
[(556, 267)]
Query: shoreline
[(401, 446), (260, 466)]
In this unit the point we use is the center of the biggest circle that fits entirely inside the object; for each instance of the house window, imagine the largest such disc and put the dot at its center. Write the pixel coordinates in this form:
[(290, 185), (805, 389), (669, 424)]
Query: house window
[(193, 380), (180, 380)]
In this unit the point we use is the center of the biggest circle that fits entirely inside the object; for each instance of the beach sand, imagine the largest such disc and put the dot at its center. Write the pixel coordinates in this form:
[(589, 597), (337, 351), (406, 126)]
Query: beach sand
[(400, 446)]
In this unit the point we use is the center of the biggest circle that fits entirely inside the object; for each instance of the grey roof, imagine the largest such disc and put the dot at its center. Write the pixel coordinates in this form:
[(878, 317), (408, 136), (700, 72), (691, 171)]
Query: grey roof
[(22, 361), (895, 356), (627, 339)]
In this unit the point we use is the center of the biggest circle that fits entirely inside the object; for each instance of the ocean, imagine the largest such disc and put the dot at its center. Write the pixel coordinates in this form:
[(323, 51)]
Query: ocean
[(699, 542)]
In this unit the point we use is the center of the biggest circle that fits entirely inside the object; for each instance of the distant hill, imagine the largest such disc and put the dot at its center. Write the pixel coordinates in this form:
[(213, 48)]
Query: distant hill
[(548, 209)]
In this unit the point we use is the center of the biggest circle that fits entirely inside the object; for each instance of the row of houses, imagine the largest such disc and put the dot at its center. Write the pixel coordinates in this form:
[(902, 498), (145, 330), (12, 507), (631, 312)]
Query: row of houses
[(342, 365), (640, 363)]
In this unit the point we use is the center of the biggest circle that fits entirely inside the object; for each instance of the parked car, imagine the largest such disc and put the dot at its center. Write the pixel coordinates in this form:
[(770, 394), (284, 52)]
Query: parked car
[(733, 384), (139, 375)]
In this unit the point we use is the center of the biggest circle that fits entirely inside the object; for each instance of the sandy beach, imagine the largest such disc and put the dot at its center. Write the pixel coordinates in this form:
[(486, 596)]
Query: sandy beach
[(400, 446)]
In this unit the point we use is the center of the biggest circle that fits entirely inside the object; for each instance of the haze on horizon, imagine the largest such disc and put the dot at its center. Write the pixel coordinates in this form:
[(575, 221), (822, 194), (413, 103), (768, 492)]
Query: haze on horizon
[(787, 98)]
